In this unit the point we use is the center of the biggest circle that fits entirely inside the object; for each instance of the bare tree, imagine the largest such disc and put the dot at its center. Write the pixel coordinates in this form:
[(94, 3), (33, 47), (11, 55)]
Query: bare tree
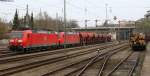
[(4, 28), (44, 21)]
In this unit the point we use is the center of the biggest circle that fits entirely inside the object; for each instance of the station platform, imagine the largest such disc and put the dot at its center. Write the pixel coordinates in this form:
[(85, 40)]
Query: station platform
[(146, 64)]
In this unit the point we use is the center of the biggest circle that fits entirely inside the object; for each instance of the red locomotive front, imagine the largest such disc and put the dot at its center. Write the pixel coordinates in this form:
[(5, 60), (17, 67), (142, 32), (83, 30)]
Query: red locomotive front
[(18, 40)]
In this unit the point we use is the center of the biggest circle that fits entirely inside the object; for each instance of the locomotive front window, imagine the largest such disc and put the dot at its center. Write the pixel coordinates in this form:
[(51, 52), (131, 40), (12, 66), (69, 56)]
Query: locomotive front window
[(16, 34)]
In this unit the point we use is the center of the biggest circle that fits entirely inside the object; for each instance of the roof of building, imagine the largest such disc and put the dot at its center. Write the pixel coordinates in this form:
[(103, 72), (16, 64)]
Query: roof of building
[(148, 13), (110, 27)]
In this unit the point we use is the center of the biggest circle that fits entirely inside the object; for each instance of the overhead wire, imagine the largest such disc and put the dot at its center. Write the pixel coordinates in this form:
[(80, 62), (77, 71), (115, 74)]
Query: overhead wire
[(80, 9)]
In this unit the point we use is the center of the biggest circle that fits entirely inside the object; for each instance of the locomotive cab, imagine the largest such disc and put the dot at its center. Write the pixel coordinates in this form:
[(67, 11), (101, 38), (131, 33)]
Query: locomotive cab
[(17, 40)]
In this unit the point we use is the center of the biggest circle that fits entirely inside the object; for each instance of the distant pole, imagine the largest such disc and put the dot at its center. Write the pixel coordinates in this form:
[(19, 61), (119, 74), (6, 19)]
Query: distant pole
[(65, 23), (119, 31), (85, 24), (27, 8), (40, 14), (135, 25), (27, 16), (57, 28), (70, 26), (106, 11), (96, 25), (86, 19)]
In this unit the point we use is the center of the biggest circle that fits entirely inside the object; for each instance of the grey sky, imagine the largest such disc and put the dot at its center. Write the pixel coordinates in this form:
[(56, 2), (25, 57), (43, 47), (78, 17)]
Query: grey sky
[(123, 9)]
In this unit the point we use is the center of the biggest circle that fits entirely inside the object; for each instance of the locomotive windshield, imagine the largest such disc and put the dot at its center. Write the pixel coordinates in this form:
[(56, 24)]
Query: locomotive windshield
[(16, 34)]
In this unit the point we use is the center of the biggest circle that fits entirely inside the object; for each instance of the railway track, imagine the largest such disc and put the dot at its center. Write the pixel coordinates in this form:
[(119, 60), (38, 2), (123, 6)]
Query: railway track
[(126, 65), (3, 50), (18, 56), (32, 63), (80, 70), (6, 53)]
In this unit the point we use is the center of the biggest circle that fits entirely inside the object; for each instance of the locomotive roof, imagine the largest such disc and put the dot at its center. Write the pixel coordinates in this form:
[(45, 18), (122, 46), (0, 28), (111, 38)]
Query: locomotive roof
[(21, 31)]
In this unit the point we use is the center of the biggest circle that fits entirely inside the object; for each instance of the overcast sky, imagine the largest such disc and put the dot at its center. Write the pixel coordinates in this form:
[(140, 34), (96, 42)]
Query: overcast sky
[(123, 9)]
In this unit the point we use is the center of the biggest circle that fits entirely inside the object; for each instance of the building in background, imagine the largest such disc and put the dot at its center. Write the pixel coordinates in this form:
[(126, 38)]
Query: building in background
[(147, 15)]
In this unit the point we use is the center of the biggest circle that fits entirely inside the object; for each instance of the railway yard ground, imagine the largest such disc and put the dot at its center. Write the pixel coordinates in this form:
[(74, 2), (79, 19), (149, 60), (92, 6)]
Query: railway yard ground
[(146, 65), (105, 59)]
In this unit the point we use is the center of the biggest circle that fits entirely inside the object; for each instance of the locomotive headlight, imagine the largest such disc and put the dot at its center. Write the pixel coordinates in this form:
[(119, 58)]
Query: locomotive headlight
[(11, 40), (134, 42), (20, 41)]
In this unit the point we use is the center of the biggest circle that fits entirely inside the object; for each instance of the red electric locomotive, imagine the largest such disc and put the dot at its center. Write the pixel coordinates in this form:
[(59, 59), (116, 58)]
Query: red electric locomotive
[(72, 38), (28, 39)]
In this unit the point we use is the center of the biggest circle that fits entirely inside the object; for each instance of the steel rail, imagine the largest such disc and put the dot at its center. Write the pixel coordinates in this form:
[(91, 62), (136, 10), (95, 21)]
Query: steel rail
[(117, 66), (134, 66), (100, 72)]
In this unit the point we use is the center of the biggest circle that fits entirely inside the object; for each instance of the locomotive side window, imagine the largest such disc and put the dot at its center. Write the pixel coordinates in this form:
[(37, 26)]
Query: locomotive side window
[(16, 34)]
